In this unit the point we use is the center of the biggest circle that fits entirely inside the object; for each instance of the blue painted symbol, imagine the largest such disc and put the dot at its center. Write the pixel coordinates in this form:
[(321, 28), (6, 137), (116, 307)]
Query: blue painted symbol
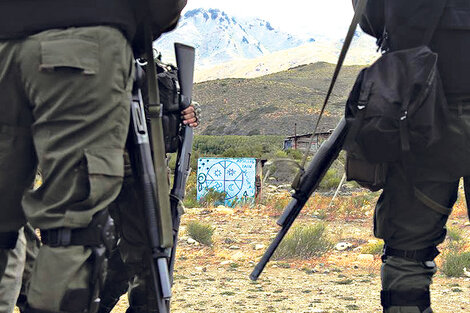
[(222, 176)]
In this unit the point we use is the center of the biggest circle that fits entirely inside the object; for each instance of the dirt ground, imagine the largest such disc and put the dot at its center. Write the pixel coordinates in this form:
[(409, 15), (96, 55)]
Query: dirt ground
[(216, 279)]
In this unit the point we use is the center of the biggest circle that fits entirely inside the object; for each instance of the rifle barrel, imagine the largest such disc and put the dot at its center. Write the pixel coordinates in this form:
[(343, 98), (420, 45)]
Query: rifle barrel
[(321, 162)]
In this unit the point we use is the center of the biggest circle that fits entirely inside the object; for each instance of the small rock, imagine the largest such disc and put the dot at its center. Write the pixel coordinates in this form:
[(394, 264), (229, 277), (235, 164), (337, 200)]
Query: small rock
[(226, 262), (365, 257), (341, 246), (191, 241), (199, 268), (259, 246), (465, 272), (234, 248), (237, 256), (225, 210), (229, 240)]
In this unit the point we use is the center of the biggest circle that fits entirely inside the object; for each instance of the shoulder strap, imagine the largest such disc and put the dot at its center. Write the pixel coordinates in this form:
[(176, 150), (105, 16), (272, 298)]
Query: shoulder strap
[(359, 11)]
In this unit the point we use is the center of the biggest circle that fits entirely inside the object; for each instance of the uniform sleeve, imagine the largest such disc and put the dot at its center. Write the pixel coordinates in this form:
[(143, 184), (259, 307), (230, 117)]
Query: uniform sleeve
[(373, 20)]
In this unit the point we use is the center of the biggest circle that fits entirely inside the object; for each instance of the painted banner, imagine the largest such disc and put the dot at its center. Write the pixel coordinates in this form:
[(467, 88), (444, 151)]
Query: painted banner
[(235, 177)]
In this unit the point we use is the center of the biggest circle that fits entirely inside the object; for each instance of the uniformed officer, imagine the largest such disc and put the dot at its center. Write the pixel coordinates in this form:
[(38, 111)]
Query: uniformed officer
[(66, 70), (413, 226)]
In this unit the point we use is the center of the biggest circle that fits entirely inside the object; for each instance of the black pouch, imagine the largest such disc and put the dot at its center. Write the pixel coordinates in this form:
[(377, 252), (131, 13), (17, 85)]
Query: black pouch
[(168, 88), (369, 175)]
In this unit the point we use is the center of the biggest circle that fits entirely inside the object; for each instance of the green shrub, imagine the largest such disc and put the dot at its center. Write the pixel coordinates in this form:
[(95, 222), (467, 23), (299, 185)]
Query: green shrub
[(200, 232), (373, 247), (455, 262), (213, 197), (237, 146), (454, 234), (304, 242), (295, 154), (190, 198), (331, 180)]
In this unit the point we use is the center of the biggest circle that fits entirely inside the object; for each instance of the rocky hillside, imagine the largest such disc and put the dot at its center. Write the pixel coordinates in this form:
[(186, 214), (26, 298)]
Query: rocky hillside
[(272, 104)]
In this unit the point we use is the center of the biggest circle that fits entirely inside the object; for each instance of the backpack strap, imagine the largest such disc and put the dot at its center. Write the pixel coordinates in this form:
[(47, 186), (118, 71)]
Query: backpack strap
[(359, 11), (439, 208)]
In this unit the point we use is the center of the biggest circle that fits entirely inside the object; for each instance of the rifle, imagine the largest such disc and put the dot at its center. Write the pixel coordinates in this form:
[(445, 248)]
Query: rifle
[(162, 239), (185, 56), (309, 181), (142, 162)]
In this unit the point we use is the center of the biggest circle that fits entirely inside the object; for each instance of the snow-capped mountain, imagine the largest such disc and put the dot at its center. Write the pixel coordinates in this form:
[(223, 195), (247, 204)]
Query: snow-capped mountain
[(220, 38), (228, 46)]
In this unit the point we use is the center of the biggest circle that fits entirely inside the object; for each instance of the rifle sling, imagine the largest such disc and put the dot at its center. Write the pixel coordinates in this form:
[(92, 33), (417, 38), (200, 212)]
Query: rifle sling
[(359, 10), (157, 141)]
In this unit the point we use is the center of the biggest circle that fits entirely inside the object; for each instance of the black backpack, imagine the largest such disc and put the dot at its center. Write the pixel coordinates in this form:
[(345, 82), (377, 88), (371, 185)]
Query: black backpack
[(396, 109), (397, 106)]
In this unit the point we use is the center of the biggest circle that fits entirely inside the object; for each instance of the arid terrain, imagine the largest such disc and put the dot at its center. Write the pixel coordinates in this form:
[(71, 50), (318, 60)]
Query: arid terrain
[(344, 279)]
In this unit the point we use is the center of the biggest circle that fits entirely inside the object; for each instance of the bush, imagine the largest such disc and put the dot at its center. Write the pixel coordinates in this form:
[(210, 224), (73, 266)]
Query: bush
[(304, 242), (213, 197), (331, 180), (295, 154), (237, 146), (375, 247), (200, 232), (454, 234), (190, 199), (455, 262)]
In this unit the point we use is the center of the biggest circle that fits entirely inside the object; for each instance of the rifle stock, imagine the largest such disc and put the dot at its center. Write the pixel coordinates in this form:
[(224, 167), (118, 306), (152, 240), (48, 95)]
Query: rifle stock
[(185, 57), (309, 182)]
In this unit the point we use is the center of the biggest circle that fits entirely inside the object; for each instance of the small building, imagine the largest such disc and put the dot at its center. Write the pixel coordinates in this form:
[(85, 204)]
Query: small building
[(239, 178), (301, 142)]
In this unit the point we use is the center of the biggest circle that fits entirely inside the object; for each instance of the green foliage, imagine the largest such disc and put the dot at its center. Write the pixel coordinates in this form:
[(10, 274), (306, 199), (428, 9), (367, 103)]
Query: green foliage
[(455, 262), (304, 242), (295, 154), (373, 248), (213, 197), (331, 180), (200, 232), (237, 146), (190, 199), (454, 234)]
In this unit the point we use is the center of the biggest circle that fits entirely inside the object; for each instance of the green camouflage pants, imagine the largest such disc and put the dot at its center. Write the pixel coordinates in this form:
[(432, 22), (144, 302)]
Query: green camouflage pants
[(64, 108), (406, 223)]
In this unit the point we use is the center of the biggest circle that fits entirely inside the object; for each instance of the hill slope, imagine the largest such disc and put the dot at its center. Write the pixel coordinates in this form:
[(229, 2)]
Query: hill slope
[(272, 104)]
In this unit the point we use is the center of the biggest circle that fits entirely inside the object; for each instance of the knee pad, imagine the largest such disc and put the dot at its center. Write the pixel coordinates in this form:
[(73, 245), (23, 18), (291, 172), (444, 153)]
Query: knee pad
[(418, 298), (8, 240), (99, 236)]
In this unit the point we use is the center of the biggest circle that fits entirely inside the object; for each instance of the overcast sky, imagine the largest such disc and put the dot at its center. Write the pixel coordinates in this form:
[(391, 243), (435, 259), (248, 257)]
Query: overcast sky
[(327, 17)]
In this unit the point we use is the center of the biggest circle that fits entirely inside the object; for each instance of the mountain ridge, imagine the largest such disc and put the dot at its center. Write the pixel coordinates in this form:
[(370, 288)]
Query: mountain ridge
[(272, 104)]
